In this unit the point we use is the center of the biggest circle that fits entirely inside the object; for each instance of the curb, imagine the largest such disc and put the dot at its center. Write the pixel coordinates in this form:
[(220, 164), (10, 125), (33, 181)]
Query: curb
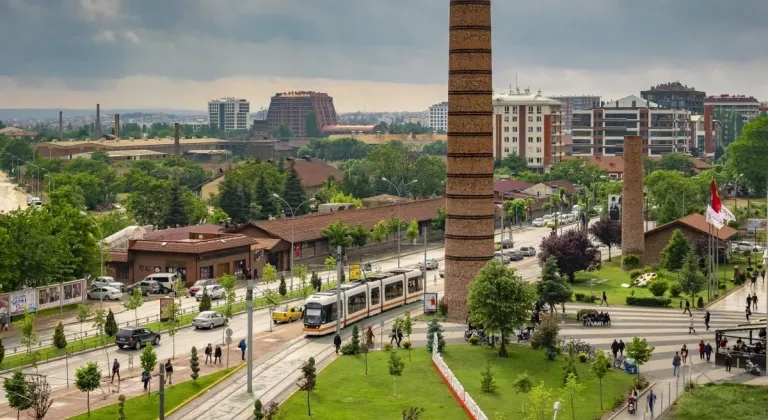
[(624, 407), (206, 389)]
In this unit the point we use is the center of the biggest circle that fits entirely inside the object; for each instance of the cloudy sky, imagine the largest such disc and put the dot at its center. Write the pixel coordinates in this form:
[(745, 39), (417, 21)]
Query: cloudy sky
[(368, 54)]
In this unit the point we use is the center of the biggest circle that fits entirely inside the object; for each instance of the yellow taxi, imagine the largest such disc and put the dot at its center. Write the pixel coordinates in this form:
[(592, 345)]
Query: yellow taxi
[(496, 246), (552, 223), (286, 313)]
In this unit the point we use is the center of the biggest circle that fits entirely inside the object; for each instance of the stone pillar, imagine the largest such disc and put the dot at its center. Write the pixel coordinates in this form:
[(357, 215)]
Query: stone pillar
[(469, 187), (632, 228)]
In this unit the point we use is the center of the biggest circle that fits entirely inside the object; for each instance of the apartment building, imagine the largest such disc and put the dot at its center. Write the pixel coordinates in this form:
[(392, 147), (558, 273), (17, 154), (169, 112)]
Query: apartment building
[(292, 108), (575, 103), (438, 117), (601, 131), (529, 125), (229, 113), (746, 106), (675, 95)]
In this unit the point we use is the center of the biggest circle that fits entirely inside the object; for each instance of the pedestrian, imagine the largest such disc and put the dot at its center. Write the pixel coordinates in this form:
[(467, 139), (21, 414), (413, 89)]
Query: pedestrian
[(370, 338), (702, 347), (337, 342), (748, 312), (749, 300), (676, 364), (615, 348), (242, 346), (399, 337), (249, 274), (393, 336), (651, 400), (169, 372), (684, 353), (690, 324), (605, 300), (217, 354), (706, 320), (723, 342), (687, 307), (728, 359), (115, 371), (621, 347), (145, 377), (708, 350), (208, 353), (754, 302)]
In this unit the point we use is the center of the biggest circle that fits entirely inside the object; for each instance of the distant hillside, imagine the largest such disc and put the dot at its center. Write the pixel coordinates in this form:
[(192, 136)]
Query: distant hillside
[(9, 114)]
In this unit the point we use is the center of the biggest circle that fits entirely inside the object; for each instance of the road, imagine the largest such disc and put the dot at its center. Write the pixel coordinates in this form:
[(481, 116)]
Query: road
[(10, 198)]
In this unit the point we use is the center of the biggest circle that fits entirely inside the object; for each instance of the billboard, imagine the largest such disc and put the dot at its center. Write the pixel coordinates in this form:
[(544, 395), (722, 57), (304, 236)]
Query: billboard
[(73, 291), (614, 207), (23, 300), (753, 225), (5, 303), (430, 303), (354, 271), (165, 306), (48, 297)]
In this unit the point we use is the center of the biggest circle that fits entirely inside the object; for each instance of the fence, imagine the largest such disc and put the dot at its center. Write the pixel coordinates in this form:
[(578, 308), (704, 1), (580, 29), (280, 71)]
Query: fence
[(466, 401)]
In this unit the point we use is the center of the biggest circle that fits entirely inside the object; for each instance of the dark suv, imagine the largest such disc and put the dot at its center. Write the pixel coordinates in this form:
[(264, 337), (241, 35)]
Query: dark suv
[(136, 337)]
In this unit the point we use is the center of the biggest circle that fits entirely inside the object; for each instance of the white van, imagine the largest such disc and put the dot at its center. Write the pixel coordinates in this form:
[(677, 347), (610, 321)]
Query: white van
[(165, 280)]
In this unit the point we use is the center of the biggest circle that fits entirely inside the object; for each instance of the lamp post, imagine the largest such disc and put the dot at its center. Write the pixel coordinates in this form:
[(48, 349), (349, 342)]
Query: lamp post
[(556, 407), (101, 252), (399, 221), (293, 216)]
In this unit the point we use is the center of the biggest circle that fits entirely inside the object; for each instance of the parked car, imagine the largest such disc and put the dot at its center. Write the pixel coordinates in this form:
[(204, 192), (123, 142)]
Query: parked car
[(209, 319), (507, 243), (147, 287), (105, 293), (505, 257), (215, 291), (528, 251), (136, 337), (515, 255), (286, 313), (166, 281), (431, 264), (198, 286), (745, 247), (106, 281), (553, 223), (539, 222)]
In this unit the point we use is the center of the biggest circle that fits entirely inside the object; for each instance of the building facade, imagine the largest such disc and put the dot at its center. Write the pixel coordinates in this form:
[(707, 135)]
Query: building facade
[(746, 106), (438, 116), (675, 95), (528, 125), (229, 113), (575, 103), (292, 108), (601, 131)]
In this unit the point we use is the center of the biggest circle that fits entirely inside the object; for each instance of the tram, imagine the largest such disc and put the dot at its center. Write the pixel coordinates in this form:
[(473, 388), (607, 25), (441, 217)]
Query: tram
[(362, 299)]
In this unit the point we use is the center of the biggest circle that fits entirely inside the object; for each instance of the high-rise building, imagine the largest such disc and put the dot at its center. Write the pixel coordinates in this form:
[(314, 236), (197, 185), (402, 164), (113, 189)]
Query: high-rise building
[(675, 95), (575, 103), (438, 116), (746, 106), (292, 108), (229, 113), (601, 131), (527, 124), (729, 114)]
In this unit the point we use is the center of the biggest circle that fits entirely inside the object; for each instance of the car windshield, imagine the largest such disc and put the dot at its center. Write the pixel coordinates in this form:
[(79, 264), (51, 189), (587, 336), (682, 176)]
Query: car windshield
[(282, 309), (312, 315), (204, 315)]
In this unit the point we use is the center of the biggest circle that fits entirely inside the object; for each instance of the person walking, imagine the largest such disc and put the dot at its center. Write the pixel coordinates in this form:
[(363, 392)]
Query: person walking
[(708, 350), (217, 354), (728, 359), (208, 353), (684, 353), (706, 320), (651, 400), (115, 371), (169, 372), (687, 307), (701, 349), (754, 302), (399, 337), (242, 346), (393, 336), (676, 364), (337, 342), (621, 347), (615, 348), (605, 300), (370, 338), (749, 300), (145, 377), (748, 312), (690, 324)]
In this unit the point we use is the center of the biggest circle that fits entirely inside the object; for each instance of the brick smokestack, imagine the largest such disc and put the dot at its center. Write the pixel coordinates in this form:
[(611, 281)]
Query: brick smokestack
[(176, 144), (97, 124), (116, 130), (632, 229), (61, 126), (470, 211)]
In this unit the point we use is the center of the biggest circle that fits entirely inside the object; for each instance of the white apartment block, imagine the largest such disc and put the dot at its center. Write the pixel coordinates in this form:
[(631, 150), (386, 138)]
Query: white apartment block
[(229, 113), (529, 125), (746, 106), (601, 131), (438, 116)]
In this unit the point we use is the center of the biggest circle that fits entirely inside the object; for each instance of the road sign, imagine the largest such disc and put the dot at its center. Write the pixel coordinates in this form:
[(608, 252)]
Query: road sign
[(228, 340), (229, 333)]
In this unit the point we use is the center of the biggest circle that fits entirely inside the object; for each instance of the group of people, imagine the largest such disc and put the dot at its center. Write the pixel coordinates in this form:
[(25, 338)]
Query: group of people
[(212, 355), (617, 347), (600, 318), (751, 303), (146, 376)]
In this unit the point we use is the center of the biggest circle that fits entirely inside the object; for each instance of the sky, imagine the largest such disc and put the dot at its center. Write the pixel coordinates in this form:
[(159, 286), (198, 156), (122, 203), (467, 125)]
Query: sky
[(370, 55)]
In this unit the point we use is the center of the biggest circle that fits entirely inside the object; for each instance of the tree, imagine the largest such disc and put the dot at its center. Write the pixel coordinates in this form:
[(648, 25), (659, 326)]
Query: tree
[(308, 380), (438, 222), (282, 289), (600, 368), (608, 232), (121, 407), (487, 380), (380, 231), (573, 251), (264, 199), (39, 396), (434, 328), (340, 197), (360, 237), (27, 332), (110, 328), (579, 171), (639, 350), (258, 414), (407, 324), (17, 392), (180, 288), (572, 389), (133, 303), (59, 340), (338, 234), (355, 343), (523, 385), (412, 232), (227, 282), (676, 162), (545, 336), (516, 209), (514, 163), (413, 413), (87, 379), (285, 132), (148, 358), (83, 313), (99, 321), (293, 192), (172, 324), (691, 279), (269, 273), (436, 148), (310, 125), (748, 155), (552, 288), (396, 367), (499, 300), (673, 255), (194, 364), (541, 403), (205, 301), (330, 264)]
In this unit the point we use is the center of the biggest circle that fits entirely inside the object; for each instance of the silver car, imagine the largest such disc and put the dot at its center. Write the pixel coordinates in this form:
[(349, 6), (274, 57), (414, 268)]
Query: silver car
[(431, 264), (528, 251), (105, 293), (209, 319)]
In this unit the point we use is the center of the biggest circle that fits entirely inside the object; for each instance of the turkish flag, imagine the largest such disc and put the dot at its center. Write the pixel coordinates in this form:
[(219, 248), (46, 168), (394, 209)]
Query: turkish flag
[(716, 204)]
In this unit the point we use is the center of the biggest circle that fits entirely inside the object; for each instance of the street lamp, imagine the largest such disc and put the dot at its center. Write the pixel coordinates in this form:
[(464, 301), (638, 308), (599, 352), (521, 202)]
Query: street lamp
[(293, 215), (399, 220), (556, 407), (101, 251)]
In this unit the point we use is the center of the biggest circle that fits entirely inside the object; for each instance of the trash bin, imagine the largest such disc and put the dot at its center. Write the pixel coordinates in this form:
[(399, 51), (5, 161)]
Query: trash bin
[(630, 366)]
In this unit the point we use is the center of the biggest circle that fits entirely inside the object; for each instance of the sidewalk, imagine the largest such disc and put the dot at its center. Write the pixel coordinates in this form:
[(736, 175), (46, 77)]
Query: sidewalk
[(737, 300)]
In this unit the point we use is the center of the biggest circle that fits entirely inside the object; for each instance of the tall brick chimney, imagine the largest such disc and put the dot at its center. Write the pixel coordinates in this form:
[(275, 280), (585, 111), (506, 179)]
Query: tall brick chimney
[(116, 130), (176, 144), (632, 228), (61, 126), (97, 124)]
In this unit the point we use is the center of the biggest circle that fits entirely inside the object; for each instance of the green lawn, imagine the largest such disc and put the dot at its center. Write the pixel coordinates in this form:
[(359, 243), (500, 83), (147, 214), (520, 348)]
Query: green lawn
[(145, 407), (722, 402), (345, 392), (467, 362)]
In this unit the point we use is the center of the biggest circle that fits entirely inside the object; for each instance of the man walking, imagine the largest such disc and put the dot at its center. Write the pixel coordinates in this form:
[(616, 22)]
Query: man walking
[(651, 399), (728, 359), (605, 299), (337, 342), (393, 336), (115, 371), (748, 312), (621, 347), (208, 353), (754, 302), (676, 364), (749, 300), (145, 377), (615, 348), (687, 307), (242, 346), (399, 337), (169, 372), (706, 320), (708, 350), (217, 354), (690, 324)]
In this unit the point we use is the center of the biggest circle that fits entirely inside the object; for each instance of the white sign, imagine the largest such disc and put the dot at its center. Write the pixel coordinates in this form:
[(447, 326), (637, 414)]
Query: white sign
[(21, 300), (754, 225), (430, 303)]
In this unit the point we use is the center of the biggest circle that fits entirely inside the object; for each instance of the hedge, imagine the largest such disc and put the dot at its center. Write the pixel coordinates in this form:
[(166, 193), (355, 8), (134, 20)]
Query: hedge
[(648, 301)]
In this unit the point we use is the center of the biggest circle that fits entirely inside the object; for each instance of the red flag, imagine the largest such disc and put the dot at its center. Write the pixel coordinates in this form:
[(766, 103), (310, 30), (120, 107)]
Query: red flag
[(716, 204)]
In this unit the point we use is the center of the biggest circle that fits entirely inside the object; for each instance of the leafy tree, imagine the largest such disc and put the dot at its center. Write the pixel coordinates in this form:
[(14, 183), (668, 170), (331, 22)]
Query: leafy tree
[(552, 288), (340, 197), (434, 328), (39, 392), (282, 289), (436, 148), (173, 323), (59, 340), (600, 368), (499, 300), (748, 155), (658, 287), (285, 132), (608, 232), (545, 336), (99, 321), (359, 236), (676, 195), (407, 324), (674, 254), (330, 264), (148, 359), (487, 381), (523, 385), (514, 163), (676, 162), (133, 303), (180, 288), (579, 171), (227, 282), (293, 191), (17, 392), (639, 350), (27, 332), (413, 413), (110, 328), (541, 403), (67, 195), (528, 176), (83, 313), (572, 389), (380, 231), (265, 200), (429, 174), (205, 301), (573, 251), (338, 234), (691, 279), (396, 367), (310, 125), (87, 379), (438, 222), (355, 343), (269, 273), (412, 232), (308, 380), (194, 364)]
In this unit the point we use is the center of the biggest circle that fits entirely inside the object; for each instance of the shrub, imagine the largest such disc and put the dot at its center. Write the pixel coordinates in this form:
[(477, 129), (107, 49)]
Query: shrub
[(474, 340), (675, 290), (569, 369), (635, 274), (648, 301), (406, 344), (579, 297), (583, 357), (387, 347), (583, 312), (630, 260), (443, 306), (640, 382), (721, 286), (658, 287), (487, 381), (349, 348), (700, 303), (655, 268)]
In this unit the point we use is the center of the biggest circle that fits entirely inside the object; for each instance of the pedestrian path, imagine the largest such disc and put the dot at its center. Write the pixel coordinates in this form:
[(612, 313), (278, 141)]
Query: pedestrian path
[(736, 301)]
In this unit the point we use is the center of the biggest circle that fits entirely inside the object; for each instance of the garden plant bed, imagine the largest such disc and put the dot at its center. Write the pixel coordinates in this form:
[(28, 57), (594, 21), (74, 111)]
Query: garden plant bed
[(722, 402)]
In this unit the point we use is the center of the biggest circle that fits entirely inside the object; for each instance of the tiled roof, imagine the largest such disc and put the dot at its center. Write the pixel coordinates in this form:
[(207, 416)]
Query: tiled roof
[(561, 183), (307, 228), (175, 234), (697, 222), (268, 243), (615, 164), (118, 256), (314, 172), (511, 185), (189, 246)]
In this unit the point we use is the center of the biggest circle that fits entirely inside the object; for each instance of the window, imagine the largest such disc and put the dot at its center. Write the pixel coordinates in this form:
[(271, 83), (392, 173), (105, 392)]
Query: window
[(506, 139), (506, 150), (514, 119), (506, 118), (530, 118), (538, 160), (514, 129), (538, 150), (530, 109), (538, 117), (415, 284), (538, 110), (356, 302), (514, 109), (530, 139), (393, 291), (506, 129), (530, 129), (506, 110), (375, 296), (329, 313), (538, 139), (514, 139), (538, 129)]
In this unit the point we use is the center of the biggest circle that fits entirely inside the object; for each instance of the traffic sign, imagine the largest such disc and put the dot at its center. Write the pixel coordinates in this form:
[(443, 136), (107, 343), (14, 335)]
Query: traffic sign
[(228, 340), (229, 333)]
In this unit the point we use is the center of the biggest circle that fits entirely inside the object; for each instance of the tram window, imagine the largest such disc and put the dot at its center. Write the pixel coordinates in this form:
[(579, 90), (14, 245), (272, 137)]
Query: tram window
[(375, 296), (356, 302), (393, 291), (329, 313), (415, 285)]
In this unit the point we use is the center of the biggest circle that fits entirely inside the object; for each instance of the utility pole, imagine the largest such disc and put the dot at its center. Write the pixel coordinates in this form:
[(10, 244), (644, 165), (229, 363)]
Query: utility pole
[(339, 270), (161, 393), (249, 296)]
